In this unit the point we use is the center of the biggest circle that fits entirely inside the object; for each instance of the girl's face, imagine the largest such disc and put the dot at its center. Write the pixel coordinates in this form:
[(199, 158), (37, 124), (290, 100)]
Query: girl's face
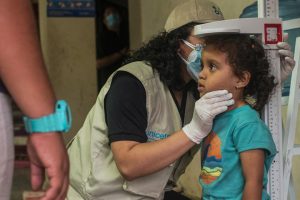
[(217, 74)]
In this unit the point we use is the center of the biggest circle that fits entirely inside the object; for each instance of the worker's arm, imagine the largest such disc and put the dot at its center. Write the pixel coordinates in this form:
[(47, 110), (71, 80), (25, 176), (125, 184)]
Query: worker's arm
[(136, 159), (111, 59), (23, 72)]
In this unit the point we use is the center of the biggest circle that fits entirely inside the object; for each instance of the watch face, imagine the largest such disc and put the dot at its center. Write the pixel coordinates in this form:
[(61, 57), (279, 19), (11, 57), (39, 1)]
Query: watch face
[(63, 108), (68, 118), (59, 121)]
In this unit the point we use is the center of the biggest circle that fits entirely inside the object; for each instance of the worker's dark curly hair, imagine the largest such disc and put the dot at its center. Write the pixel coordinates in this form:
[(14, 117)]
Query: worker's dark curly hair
[(161, 53), (245, 53)]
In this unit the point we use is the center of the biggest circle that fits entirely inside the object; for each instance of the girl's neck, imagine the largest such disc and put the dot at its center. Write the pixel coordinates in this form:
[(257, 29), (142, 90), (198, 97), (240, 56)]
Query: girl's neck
[(237, 104)]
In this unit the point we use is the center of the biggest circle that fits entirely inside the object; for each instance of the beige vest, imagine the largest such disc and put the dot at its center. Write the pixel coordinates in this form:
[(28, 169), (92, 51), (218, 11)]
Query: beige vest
[(93, 172)]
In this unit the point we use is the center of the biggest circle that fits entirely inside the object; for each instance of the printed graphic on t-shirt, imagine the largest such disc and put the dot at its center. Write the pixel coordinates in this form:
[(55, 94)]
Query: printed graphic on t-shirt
[(153, 136), (211, 158)]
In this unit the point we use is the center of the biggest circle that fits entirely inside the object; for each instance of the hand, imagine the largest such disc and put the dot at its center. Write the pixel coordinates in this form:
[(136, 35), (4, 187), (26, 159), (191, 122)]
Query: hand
[(47, 153), (206, 108), (287, 62), (124, 51)]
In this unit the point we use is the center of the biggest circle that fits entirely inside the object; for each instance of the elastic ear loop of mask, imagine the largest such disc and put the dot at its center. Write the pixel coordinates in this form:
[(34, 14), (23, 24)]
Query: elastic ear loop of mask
[(188, 44), (182, 58), (195, 47)]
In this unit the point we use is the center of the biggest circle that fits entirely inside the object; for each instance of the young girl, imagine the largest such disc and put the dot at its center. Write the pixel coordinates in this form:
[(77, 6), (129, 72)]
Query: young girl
[(237, 154)]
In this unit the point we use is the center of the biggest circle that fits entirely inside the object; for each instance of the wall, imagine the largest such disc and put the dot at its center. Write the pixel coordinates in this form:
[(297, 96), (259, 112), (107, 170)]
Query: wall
[(147, 18), (69, 49)]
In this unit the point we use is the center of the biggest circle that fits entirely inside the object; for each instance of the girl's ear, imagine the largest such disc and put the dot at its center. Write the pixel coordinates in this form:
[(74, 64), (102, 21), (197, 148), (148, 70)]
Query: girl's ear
[(243, 80)]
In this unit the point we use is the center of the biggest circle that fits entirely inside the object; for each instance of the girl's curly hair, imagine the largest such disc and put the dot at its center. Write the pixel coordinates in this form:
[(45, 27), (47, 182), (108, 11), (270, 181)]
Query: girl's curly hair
[(245, 53), (161, 53)]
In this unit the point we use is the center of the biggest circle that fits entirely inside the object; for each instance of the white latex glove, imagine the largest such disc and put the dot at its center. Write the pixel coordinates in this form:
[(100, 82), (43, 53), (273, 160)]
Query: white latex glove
[(206, 108), (287, 62)]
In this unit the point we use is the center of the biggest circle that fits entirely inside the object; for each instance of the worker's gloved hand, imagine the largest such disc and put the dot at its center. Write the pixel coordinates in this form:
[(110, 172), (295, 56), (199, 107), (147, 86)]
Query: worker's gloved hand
[(287, 62), (206, 108)]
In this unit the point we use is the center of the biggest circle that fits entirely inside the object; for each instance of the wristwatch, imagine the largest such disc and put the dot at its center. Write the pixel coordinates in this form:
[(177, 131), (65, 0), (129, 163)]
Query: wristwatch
[(59, 121)]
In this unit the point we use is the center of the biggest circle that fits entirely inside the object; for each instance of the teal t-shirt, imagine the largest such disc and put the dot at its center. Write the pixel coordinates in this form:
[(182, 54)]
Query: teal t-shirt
[(233, 132)]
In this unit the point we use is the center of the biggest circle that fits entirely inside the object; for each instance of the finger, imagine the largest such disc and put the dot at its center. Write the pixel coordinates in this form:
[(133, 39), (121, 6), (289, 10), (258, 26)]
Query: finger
[(285, 53), (55, 185), (291, 62), (223, 98), (37, 176), (220, 107), (222, 103), (283, 45), (64, 190), (51, 193), (65, 186), (218, 110), (213, 94)]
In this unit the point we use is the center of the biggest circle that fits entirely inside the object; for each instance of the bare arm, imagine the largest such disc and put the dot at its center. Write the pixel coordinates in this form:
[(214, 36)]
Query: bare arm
[(135, 159), (139, 159), (253, 170), (110, 59), (22, 68), (23, 72)]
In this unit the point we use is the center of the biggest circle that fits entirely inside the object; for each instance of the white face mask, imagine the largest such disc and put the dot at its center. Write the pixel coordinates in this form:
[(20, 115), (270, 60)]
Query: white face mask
[(193, 62)]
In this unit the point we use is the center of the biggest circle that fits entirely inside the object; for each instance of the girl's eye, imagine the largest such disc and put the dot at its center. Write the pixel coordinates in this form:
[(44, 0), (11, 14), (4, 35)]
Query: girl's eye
[(212, 67)]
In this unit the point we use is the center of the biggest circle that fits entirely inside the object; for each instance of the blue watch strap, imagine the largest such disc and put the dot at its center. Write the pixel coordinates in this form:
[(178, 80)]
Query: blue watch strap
[(60, 120)]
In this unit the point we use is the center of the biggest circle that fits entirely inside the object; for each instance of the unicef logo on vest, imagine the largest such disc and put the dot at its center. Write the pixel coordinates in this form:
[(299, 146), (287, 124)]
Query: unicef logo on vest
[(153, 136)]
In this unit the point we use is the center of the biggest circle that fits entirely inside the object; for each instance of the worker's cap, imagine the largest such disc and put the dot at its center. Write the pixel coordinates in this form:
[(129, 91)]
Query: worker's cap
[(199, 11)]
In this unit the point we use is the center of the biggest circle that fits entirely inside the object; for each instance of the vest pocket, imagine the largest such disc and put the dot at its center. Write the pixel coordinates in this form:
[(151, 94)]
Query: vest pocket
[(150, 186)]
